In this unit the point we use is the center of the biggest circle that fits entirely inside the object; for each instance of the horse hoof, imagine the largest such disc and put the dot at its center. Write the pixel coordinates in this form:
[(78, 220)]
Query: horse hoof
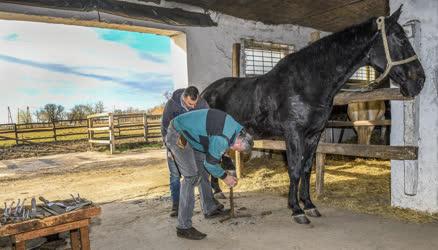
[(301, 219), (313, 212)]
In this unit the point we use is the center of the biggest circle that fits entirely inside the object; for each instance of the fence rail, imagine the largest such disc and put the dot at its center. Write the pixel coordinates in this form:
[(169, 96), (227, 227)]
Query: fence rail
[(133, 125), (126, 126)]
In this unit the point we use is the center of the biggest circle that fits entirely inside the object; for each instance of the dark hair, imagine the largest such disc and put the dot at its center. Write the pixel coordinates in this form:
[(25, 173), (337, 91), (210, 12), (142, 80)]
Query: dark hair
[(191, 92)]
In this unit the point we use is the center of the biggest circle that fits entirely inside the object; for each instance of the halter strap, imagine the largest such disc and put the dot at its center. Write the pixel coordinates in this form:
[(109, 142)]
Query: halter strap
[(389, 62)]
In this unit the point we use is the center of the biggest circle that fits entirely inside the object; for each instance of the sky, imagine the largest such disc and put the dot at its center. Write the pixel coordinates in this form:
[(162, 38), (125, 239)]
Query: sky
[(67, 65)]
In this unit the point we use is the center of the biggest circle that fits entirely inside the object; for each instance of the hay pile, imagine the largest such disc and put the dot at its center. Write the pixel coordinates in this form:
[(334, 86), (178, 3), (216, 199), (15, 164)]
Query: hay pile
[(359, 185)]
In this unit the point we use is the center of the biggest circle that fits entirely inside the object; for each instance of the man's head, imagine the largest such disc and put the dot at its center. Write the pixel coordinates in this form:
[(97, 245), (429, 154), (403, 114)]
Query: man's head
[(190, 97), (243, 143)]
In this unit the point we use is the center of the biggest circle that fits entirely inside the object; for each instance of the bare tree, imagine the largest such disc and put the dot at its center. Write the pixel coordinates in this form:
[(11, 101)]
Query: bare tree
[(24, 117), (98, 107), (50, 113)]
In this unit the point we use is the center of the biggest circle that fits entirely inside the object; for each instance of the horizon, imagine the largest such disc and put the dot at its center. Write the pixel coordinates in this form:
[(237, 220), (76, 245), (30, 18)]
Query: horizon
[(67, 65)]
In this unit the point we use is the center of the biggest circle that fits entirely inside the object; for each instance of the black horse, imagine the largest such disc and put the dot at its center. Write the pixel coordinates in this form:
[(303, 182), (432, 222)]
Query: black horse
[(294, 100)]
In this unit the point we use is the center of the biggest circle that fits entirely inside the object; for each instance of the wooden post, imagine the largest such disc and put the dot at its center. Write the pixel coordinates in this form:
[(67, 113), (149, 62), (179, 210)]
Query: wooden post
[(239, 164), (111, 133), (90, 132), (19, 245), (145, 127), (74, 240), (16, 134), (236, 73), (54, 130), (85, 238), (319, 168), (236, 60)]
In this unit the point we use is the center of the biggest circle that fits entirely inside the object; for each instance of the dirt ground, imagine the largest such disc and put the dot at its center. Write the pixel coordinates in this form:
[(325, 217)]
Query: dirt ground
[(132, 188)]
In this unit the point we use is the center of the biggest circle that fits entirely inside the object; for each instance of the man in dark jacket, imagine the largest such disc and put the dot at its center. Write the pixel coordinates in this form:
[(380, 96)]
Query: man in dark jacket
[(182, 101)]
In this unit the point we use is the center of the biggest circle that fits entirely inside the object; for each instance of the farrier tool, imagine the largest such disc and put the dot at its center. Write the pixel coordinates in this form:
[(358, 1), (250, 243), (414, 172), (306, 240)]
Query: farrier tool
[(232, 213)]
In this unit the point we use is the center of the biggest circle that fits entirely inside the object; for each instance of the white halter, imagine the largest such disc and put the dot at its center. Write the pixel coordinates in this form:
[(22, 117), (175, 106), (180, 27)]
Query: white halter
[(389, 62)]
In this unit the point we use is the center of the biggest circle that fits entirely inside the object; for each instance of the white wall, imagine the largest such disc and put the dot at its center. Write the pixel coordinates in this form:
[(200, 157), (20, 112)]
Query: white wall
[(209, 48), (178, 57), (414, 184)]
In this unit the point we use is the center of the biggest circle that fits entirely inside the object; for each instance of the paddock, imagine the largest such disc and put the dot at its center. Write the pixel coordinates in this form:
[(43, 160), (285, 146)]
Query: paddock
[(132, 189), (215, 39)]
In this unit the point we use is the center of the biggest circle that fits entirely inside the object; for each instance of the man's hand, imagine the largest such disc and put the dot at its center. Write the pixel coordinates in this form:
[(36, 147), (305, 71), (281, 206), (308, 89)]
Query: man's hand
[(230, 180)]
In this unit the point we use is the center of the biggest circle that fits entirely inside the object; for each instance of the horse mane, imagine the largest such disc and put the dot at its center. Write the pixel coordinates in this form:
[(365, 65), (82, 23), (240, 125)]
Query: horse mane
[(323, 50)]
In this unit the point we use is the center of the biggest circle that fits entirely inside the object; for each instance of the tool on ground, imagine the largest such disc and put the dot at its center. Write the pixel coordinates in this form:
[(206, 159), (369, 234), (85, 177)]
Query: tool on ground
[(232, 213), (33, 208)]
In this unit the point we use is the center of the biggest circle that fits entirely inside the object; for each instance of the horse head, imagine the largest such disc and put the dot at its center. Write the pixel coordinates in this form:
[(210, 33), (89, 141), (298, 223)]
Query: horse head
[(392, 55)]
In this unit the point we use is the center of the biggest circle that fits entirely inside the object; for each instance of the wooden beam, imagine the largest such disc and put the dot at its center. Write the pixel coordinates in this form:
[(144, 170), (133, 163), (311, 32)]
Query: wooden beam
[(336, 124), (370, 151), (98, 115), (99, 129), (345, 98), (50, 230), (367, 151), (96, 10), (100, 141)]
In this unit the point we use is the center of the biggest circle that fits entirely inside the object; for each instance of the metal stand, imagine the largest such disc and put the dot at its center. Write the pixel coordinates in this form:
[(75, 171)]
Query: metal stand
[(232, 213)]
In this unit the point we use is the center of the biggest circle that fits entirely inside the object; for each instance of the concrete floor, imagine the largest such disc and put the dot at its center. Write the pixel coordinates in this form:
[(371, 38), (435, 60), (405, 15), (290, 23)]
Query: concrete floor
[(144, 224)]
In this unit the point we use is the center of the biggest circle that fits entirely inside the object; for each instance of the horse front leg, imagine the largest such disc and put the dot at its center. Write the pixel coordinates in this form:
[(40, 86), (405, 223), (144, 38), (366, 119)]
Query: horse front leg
[(310, 145), (294, 149)]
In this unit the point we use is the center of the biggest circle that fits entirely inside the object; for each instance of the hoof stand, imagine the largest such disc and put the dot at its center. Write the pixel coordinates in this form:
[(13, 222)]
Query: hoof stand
[(301, 219)]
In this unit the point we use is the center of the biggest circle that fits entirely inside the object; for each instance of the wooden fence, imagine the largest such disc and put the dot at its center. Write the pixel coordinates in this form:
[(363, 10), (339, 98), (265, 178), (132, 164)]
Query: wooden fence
[(134, 125), (371, 151), (124, 127), (34, 132)]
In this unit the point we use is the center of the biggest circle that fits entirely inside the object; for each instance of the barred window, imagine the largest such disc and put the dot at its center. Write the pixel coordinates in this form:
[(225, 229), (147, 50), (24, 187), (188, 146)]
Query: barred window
[(361, 78), (261, 57), (365, 73)]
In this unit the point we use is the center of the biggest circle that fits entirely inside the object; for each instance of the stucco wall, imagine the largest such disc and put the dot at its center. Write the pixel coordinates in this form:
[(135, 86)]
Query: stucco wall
[(425, 196), (209, 48)]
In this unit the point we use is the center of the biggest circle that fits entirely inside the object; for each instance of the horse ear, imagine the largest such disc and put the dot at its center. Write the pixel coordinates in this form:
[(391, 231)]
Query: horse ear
[(395, 16)]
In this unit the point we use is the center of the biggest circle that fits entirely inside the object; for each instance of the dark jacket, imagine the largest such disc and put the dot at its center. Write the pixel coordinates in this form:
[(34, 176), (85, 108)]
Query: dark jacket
[(174, 107)]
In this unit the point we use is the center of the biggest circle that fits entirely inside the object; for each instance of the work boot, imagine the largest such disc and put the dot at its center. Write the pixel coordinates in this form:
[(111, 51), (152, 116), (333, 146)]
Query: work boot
[(190, 233), (174, 212), (217, 213), (219, 205)]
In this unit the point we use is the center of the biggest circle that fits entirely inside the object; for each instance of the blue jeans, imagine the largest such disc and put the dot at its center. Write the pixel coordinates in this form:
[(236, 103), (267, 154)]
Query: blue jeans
[(175, 176)]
